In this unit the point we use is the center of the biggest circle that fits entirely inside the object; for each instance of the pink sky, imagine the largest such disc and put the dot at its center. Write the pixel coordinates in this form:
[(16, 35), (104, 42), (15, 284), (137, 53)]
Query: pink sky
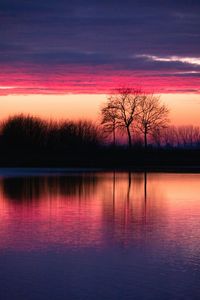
[(66, 55)]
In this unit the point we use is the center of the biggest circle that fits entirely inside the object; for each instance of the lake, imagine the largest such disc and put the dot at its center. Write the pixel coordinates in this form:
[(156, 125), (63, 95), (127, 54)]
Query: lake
[(99, 235)]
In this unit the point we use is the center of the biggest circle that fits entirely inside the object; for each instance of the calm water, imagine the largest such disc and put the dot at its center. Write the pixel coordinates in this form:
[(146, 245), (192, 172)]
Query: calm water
[(100, 236)]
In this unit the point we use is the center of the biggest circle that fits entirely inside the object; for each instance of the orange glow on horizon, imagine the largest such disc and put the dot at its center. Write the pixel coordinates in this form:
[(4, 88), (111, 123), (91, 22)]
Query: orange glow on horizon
[(184, 108), (56, 107)]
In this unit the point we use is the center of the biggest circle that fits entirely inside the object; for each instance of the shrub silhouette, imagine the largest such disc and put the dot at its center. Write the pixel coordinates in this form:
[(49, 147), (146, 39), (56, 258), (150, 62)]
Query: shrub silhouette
[(24, 133), (31, 134), (71, 135)]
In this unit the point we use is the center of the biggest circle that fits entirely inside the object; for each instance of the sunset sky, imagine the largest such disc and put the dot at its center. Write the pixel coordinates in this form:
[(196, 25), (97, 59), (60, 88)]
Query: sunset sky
[(59, 58)]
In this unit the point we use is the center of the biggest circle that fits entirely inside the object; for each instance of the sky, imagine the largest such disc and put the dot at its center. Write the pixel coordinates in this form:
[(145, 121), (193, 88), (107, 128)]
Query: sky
[(60, 58)]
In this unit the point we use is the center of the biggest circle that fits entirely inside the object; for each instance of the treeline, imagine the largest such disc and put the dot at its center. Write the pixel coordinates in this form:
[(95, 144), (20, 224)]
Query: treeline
[(179, 137), (29, 139), (28, 133)]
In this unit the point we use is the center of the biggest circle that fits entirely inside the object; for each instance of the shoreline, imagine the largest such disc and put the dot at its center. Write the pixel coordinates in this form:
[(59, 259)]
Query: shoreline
[(59, 171)]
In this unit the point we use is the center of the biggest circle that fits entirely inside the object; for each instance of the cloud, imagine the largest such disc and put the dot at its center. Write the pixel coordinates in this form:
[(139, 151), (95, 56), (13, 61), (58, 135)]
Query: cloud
[(95, 80), (185, 60)]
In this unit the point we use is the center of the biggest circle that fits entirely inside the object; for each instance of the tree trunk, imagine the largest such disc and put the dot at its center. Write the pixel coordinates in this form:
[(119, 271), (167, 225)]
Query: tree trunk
[(145, 138), (114, 135), (114, 139), (129, 138)]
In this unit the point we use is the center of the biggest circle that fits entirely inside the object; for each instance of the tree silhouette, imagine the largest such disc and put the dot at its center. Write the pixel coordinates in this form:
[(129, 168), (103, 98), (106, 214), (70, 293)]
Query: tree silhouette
[(24, 132), (121, 110), (109, 119), (182, 136), (153, 115)]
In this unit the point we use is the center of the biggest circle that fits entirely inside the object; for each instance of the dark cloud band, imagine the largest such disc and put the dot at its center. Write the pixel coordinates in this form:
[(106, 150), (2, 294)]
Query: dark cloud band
[(100, 37)]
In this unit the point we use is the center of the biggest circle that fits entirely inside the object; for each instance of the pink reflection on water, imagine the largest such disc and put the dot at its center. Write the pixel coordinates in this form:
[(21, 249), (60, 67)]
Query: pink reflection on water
[(100, 210)]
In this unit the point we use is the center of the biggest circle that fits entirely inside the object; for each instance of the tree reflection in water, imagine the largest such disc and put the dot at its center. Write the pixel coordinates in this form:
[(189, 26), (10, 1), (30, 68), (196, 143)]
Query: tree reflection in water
[(91, 208)]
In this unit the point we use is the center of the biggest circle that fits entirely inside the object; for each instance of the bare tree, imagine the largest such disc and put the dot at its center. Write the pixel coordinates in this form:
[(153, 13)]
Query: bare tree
[(109, 120), (169, 136), (121, 110), (181, 136), (153, 115), (188, 135)]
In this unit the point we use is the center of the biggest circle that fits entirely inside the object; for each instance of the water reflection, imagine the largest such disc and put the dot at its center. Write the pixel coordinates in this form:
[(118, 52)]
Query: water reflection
[(100, 210), (31, 188)]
